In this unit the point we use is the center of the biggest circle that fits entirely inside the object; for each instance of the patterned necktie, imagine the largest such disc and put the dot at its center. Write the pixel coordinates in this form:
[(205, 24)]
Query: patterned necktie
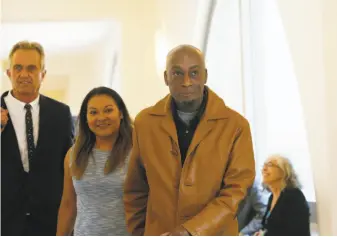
[(29, 132)]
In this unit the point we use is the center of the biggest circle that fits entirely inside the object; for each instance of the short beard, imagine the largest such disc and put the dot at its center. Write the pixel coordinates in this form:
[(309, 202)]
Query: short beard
[(189, 105)]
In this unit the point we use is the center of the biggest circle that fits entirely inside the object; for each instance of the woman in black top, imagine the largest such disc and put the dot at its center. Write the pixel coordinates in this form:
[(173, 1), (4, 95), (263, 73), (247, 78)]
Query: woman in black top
[(287, 211)]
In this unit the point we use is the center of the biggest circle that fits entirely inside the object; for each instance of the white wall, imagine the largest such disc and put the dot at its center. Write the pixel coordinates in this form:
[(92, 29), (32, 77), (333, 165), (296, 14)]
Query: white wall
[(224, 57), (275, 103), (311, 31), (82, 70), (330, 62)]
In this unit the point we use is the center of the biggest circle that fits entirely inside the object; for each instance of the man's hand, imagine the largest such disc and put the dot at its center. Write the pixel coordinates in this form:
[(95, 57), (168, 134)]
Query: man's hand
[(257, 233), (179, 231), (4, 118)]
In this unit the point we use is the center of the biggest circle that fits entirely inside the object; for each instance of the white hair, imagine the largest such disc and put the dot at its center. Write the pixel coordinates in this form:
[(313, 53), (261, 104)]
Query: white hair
[(290, 176)]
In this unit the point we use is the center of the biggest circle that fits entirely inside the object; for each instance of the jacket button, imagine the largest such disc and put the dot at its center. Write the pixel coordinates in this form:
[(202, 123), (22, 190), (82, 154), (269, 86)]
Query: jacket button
[(174, 152)]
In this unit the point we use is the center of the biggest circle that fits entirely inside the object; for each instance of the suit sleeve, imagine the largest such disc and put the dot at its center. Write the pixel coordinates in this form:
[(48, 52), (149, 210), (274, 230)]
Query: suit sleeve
[(69, 131), (238, 177), (136, 191)]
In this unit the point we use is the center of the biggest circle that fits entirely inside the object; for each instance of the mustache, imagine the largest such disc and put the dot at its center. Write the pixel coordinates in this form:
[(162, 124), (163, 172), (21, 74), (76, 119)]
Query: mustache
[(24, 79)]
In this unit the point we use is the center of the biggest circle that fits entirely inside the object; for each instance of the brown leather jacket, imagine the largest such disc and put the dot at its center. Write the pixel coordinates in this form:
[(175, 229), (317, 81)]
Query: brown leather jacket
[(204, 194)]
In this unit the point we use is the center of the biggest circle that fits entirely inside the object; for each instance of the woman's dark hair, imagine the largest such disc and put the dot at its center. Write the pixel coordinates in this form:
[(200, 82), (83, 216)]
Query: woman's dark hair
[(86, 139)]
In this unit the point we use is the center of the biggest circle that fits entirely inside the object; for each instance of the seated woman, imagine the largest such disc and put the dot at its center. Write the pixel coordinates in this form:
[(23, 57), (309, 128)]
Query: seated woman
[(287, 211), (94, 168)]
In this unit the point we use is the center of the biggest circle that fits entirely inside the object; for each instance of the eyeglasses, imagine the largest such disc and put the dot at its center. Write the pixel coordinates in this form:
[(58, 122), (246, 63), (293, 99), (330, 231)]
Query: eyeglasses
[(270, 165)]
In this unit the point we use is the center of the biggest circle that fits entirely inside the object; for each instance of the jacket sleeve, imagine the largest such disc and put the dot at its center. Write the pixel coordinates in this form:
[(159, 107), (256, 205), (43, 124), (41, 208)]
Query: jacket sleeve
[(69, 131), (68, 134), (259, 204), (136, 191), (239, 176)]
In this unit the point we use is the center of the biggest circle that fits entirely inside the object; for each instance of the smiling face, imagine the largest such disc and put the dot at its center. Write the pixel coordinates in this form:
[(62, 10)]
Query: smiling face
[(26, 73), (103, 116), (272, 173)]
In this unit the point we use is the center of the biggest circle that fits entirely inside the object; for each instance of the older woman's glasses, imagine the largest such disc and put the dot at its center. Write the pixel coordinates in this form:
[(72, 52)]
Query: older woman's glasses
[(270, 164)]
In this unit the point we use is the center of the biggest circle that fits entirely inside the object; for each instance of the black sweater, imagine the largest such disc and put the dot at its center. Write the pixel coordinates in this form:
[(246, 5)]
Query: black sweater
[(290, 215)]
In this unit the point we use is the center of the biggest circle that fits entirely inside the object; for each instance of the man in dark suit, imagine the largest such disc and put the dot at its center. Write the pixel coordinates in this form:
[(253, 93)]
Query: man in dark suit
[(36, 133)]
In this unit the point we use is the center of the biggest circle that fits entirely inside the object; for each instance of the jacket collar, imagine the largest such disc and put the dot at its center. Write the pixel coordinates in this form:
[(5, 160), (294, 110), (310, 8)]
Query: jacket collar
[(3, 104), (215, 107)]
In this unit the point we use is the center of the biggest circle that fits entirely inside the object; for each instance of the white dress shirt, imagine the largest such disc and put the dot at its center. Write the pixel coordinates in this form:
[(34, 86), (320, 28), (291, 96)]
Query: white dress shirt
[(17, 114)]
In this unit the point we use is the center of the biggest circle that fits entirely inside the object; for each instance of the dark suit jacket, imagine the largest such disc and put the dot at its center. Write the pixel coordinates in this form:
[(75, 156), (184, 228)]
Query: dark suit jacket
[(38, 192), (290, 215)]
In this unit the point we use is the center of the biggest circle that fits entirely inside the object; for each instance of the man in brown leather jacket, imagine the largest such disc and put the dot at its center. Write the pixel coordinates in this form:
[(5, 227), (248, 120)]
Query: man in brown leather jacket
[(192, 159)]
